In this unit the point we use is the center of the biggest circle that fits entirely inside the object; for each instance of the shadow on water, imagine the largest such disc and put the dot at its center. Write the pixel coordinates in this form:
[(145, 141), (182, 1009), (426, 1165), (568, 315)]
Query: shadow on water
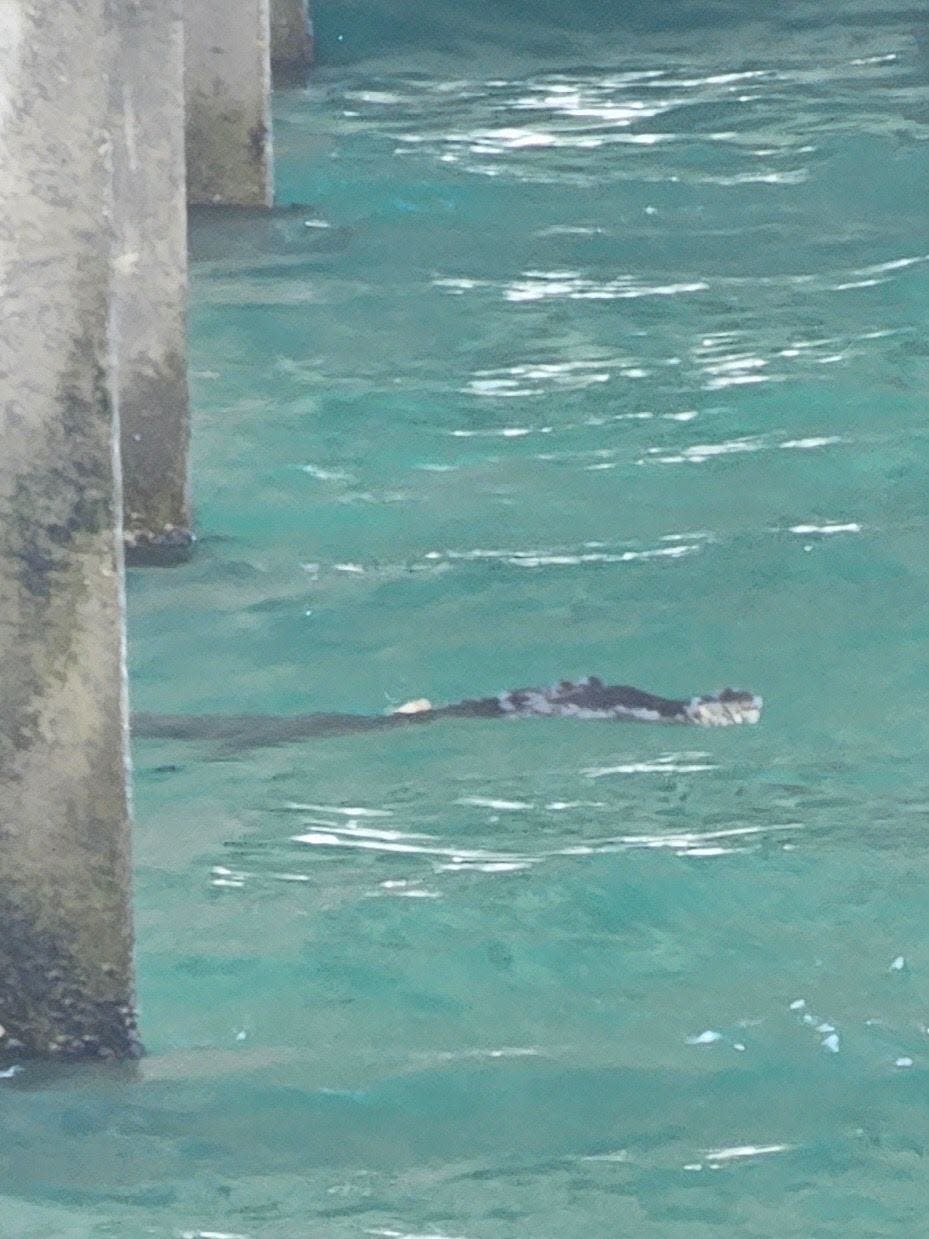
[(286, 233), (115, 1135)]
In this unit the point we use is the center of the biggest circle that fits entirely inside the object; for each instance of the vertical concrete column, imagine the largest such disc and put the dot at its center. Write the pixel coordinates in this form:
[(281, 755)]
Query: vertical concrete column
[(150, 277), (291, 38), (228, 86), (65, 941)]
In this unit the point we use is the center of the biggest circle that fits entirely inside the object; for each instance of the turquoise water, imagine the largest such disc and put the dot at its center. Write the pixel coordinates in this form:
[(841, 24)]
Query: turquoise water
[(591, 347)]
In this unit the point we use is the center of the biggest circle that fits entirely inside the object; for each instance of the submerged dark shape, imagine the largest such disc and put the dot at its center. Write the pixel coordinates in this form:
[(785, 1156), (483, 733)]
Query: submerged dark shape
[(589, 698)]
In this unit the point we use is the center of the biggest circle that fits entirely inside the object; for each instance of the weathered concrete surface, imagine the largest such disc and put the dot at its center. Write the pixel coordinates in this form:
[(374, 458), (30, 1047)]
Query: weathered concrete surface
[(291, 39), (65, 945), (150, 277), (228, 88)]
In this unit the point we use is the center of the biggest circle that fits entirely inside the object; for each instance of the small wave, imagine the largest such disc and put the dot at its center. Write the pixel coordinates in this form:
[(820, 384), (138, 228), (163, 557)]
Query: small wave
[(689, 840), (599, 557), (507, 1051), (535, 378), (702, 845), (570, 557), (699, 453), (459, 857), (327, 475)]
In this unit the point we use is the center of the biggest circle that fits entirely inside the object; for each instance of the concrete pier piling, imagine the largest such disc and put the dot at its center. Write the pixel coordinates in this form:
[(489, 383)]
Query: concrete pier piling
[(228, 88), (65, 946), (150, 278), (291, 39)]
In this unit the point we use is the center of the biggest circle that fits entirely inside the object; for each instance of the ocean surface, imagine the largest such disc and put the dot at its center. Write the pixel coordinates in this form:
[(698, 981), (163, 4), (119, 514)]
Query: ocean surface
[(585, 338)]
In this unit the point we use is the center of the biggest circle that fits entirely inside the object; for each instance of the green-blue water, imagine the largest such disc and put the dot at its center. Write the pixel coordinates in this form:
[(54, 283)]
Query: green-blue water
[(596, 343)]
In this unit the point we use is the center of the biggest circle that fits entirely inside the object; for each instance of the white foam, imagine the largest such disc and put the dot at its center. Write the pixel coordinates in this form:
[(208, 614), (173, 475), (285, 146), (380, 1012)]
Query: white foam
[(405, 1234), (212, 1234), (850, 527), (814, 441), (505, 432), (346, 812), (648, 767), (706, 852), (558, 806), (486, 802), (354, 829), (745, 1150)]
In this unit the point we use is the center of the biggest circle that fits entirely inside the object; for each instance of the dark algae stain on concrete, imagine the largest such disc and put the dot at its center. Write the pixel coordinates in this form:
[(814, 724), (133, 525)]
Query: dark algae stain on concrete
[(44, 1007)]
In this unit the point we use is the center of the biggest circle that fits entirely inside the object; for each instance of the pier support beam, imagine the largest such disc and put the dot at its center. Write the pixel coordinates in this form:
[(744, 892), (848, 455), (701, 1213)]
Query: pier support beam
[(65, 945), (228, 87), (291, 39), (150, 278)]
